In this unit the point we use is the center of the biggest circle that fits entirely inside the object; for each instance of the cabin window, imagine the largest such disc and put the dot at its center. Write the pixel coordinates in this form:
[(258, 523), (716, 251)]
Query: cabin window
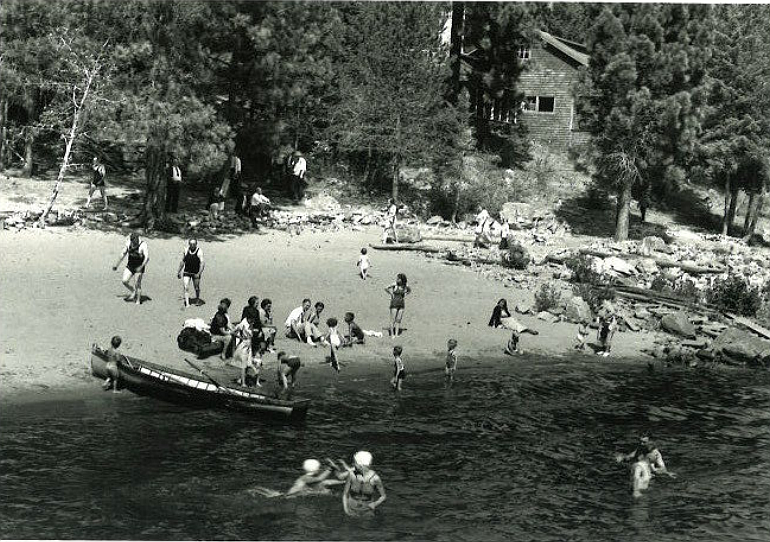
[(523, 53), (539, 104)]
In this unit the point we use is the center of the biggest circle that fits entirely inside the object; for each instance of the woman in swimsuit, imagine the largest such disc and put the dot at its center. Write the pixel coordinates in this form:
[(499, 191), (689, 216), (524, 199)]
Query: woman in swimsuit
[(358, 498), (398, 292), (498, 313)]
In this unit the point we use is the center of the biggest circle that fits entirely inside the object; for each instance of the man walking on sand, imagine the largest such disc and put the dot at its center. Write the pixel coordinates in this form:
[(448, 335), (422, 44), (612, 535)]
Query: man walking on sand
[(298, 176), (97, 181), (138, 256)]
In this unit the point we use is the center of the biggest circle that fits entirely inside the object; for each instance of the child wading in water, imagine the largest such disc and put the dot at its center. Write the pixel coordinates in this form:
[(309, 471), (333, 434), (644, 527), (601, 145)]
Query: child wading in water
[(399, 372), (113, 358), (451, 359), (363, 264)]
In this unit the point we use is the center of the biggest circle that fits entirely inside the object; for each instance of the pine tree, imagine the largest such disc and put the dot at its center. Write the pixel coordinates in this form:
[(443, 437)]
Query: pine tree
[(642, 94)]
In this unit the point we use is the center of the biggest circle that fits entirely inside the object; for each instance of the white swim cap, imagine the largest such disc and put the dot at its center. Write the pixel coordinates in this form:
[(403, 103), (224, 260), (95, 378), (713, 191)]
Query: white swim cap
[(311, 465), (363, 459)]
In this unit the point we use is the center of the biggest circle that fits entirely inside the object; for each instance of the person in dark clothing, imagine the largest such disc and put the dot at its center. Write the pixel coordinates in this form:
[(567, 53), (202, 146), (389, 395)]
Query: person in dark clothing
[(190, 270), (97, 182), (138, 256), (498, 313), (251, 313), (355, 334), (173, 186), (221, 328)]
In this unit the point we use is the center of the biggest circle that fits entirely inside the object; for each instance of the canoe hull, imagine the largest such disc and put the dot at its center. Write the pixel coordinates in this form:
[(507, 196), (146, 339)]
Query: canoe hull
[(149, 379)]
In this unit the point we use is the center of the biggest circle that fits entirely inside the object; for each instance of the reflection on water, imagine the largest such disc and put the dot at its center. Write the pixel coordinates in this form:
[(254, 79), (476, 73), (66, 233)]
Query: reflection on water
[(512, 451)]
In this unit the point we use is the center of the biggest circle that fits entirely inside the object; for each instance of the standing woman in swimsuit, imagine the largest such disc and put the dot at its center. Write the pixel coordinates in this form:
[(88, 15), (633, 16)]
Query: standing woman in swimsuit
[(398, 292), (358, 497), (138, 256)]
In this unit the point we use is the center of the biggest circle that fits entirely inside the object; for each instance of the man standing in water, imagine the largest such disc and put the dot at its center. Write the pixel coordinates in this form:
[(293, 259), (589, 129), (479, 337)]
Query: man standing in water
[(647, 461), (358, 497), (190, 270), (138, 256)]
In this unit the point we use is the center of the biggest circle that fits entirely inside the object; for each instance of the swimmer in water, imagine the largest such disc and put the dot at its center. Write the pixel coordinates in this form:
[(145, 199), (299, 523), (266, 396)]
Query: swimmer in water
[(647, 461), (361, 485), (315, 479)]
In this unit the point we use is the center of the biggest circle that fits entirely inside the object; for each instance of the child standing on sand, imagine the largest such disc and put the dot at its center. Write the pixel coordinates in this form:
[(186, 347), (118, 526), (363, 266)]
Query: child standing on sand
[(335, 341), (399, 371), (582, 336), (363, 264), (451, 359)]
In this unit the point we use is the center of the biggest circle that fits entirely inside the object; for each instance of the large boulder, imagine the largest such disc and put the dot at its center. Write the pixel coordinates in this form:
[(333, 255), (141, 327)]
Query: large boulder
[(408, 234), (577, 310), (647, 266), (738, 346), (678, 324), (512, 211), (652, 243), (434, 220)]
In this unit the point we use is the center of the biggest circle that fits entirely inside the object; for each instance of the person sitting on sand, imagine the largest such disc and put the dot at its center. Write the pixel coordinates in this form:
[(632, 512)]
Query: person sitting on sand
[(312, 323), (190, 270), (398, 291), (355, 334), (451, 359), (512, 348), (221, 329), (498, 313), (363, 264), (647, 461), (399, 371), (295, 328), (259, 206), (113, 359), (138, 256), (361, 487), (582, 336), (266, 319), (288, 366)]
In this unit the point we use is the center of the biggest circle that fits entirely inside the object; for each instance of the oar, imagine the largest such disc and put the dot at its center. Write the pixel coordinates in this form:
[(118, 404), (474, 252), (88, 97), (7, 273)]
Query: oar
[(204, 373)]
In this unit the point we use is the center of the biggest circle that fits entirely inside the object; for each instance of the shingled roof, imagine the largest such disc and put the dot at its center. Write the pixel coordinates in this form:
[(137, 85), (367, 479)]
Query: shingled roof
[(562, 45)]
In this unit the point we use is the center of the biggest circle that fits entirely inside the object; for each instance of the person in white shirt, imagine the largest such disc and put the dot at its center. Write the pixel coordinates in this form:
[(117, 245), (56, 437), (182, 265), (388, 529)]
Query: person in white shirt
[(259, 205), (363, 264), (138, 256), (235, 183), (173, 185), (295, 323), (298, 176)]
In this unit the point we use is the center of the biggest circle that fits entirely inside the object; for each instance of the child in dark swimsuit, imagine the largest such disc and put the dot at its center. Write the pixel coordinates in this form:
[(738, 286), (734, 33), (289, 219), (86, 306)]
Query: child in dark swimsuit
[(451, 359), (399, 371)]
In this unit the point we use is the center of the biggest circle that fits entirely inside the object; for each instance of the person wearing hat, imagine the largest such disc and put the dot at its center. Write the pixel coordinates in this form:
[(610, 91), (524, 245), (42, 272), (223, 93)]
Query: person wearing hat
[(97, 181), (298, 176), (314, 479), (138, 256), (361, 485)]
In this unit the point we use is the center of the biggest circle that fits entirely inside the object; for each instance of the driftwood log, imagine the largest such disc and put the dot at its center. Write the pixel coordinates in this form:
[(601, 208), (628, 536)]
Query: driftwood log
[(454, 238), (404, 246), (660, 262)]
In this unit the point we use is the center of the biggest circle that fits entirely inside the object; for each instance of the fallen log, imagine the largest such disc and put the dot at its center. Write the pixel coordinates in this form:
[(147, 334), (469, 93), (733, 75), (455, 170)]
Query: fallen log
[(651, 296), (660, 262), (454, 238), (402, 246), (751, 326)]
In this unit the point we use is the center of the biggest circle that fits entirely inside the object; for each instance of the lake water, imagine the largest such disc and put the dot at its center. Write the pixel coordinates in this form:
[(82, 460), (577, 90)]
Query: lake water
[(517, 451)]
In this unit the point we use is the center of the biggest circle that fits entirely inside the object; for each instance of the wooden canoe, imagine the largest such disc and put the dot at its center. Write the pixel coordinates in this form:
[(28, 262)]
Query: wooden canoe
[(150, 379)]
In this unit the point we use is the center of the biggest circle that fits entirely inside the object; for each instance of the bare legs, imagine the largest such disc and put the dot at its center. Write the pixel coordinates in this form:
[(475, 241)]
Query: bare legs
[(136, 291), (91, 193), (395, 321)]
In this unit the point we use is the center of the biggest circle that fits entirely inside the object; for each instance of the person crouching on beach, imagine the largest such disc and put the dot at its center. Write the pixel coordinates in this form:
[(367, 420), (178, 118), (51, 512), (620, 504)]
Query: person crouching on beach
[(512, 348), (451, 359), (363, 264), (399, 371), (288, 366)]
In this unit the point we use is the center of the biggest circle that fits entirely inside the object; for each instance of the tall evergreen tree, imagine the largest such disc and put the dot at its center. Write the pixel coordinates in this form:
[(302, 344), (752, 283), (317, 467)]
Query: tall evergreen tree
[(642, 94)]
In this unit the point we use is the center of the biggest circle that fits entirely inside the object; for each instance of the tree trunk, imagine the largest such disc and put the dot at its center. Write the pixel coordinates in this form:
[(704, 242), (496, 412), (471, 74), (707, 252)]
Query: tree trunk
[(456, 204), (29, 139), (3, 132), (751, 226), (396, 173), (623, 212), (155, 198), (733, 206), (749, 211), (455, 50), (728, 204)]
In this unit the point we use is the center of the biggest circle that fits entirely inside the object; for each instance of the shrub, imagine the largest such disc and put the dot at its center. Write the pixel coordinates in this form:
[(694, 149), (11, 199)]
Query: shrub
[(685, 289), (594, 295), (547, 298), (517, 256), (734, 294), (583, 271)]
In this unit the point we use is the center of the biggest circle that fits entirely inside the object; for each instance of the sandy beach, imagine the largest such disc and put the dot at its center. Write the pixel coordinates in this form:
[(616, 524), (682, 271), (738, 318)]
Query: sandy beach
[(60, 295)]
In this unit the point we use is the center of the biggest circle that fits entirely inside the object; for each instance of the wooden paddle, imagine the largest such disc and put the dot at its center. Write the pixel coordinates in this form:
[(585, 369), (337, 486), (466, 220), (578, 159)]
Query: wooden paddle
[(204, 373)]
